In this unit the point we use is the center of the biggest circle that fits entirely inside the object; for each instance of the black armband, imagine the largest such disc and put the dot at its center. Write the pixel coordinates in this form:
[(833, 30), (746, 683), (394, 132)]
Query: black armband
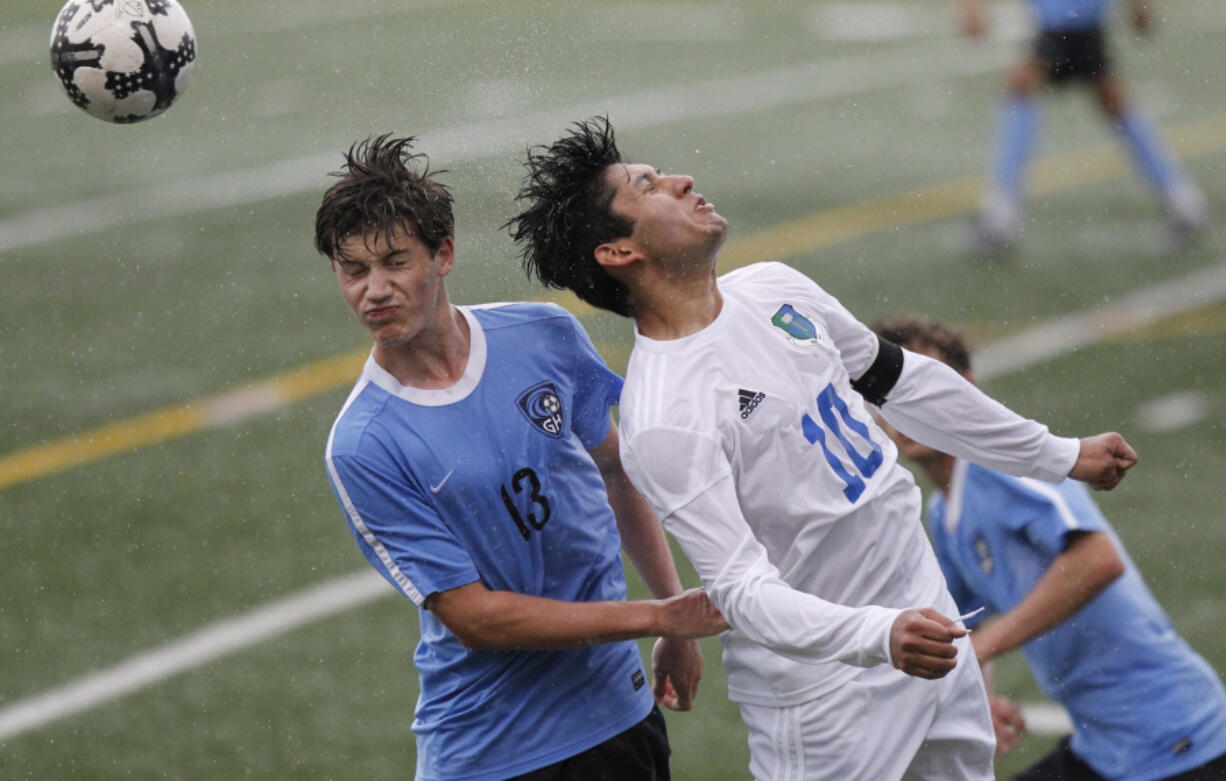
[(876, 383)]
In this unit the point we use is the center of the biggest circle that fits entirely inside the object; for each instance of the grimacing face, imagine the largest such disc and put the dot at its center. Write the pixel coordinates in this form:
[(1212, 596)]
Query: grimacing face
[(393, 287), (670, 219)]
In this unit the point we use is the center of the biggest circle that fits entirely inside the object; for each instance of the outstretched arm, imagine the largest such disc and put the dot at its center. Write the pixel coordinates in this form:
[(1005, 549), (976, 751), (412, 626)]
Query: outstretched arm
[(1087, 566), (676, 664), (486, 619), (933, 404)]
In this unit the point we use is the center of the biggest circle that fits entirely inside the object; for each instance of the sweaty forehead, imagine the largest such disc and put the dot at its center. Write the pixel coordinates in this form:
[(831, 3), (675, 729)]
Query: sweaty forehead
[(376, 243)]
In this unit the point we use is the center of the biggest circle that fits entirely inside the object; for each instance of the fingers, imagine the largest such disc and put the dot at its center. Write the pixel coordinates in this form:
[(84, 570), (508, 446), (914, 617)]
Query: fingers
[(1104, 460), (948, 630), (922, 643), (670, 697)]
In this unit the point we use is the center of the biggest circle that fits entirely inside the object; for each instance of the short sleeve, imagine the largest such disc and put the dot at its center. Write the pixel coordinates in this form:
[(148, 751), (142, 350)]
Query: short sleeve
[(597, 388), (671, 466), (400, 534), (1046, 514)]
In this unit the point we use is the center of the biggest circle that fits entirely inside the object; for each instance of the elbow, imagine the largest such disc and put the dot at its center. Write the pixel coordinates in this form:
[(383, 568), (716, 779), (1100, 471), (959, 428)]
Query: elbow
[(1111, 571)]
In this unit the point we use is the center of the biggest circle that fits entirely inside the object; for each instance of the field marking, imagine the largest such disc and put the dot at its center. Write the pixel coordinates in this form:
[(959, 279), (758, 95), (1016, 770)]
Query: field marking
[(1172, 412), (775, 88), (195, 649), (807, 234)]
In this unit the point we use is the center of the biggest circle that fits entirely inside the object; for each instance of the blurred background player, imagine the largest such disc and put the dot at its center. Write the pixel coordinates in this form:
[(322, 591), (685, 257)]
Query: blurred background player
[(743, 423), (471, 461), (1071, 46), (1144, 705)]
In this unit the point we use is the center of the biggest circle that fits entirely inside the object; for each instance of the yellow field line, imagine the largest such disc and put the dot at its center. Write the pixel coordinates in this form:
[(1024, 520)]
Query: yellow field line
[(807, 234)]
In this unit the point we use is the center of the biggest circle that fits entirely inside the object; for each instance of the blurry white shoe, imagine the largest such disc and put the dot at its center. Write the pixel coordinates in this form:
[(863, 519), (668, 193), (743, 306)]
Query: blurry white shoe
[(998, 225), (1187, 212)]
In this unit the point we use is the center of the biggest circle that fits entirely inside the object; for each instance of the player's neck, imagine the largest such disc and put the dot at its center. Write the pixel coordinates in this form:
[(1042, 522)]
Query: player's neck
[(435, 358), (939, 468), (671, 306)]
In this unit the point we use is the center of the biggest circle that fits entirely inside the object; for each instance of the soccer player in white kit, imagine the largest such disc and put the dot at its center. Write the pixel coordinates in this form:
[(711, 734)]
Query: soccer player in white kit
[(743, 423)]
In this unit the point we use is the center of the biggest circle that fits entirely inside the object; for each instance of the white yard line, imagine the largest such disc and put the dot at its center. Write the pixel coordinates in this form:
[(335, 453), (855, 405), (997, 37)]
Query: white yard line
[(797, 84), (216, 640), (1069, 333), (211, 642)]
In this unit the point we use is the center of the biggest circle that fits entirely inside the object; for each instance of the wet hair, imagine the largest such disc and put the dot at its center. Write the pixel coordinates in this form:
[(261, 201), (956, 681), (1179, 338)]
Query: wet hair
[(917, 333), (383, 186), (569, 214)]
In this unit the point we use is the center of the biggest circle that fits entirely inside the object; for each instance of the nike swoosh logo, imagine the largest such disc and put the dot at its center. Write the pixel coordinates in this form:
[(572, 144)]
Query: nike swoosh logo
[(436, 488)]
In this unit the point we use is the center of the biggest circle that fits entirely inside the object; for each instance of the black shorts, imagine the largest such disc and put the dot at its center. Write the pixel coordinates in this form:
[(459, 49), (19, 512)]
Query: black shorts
[(1063, 765), (1073, 55), (638, 754)]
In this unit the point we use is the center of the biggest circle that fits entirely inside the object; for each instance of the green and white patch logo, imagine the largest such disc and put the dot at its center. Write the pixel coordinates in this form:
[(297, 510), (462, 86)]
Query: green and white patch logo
[(800, 329)]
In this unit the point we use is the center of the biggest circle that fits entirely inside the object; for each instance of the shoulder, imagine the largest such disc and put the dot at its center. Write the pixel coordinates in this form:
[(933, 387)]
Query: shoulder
[(522, 313), (770, 273), (772, 283), (357, 423)]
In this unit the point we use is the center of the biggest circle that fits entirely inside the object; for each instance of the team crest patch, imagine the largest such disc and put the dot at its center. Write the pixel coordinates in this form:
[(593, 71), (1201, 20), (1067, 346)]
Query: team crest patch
[(982, 552), (800, 329), (542, 406)]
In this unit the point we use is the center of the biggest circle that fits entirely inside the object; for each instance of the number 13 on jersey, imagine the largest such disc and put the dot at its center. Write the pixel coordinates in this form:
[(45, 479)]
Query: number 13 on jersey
[(828, 403)]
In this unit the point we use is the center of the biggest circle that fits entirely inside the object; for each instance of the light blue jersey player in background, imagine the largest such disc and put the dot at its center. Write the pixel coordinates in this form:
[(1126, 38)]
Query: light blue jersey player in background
[(471, 461), (1144, 704), (1070, 46)]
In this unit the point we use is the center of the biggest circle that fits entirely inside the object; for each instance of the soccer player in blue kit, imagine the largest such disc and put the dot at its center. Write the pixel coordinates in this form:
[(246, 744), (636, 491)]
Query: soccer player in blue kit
[(477, 465), (1071, 47), (1144, 705)]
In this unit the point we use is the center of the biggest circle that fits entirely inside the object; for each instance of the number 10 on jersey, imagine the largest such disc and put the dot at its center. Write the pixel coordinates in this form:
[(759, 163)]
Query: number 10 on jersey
[(828, 403)]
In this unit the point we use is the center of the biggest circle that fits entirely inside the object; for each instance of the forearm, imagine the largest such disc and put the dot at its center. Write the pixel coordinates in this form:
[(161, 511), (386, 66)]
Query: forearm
[(758, 603), (1075, 577), (642, 537), (506, 620), (932, 404)]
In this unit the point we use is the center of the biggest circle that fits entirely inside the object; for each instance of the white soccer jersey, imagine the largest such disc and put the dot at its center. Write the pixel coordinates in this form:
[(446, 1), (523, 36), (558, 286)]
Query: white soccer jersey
[(749, 441)]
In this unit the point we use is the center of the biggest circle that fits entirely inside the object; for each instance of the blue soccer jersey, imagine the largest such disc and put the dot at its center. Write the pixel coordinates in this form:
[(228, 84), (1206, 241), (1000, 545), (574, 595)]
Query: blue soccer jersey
[(490, 480), (1144, 704), (1071, 14)]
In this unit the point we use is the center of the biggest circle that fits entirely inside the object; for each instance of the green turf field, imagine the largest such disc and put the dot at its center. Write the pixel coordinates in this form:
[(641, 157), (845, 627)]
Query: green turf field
[(173, 351)]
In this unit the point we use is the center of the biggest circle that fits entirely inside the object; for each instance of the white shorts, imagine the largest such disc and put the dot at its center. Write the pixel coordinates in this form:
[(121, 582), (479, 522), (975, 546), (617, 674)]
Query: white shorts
[(882, 725)]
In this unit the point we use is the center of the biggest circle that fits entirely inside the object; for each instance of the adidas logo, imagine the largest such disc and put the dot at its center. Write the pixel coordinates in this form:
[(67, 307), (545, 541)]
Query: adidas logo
[(749, 401)]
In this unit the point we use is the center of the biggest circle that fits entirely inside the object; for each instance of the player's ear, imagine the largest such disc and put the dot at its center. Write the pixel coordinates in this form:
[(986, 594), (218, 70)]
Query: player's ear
[(617, 254), (446, 255)]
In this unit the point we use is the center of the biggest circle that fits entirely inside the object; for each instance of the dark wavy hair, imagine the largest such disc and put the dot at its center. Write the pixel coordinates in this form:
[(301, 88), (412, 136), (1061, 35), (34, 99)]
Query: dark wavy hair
[(917, 333), (569, 214), (383, 186)]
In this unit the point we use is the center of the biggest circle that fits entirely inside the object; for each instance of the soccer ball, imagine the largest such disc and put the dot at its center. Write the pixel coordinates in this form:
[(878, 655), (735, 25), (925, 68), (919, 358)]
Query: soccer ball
[(123, 60)]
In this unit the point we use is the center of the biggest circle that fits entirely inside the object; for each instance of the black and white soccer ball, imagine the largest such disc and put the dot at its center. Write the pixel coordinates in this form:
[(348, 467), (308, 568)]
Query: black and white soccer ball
[(123, 60)]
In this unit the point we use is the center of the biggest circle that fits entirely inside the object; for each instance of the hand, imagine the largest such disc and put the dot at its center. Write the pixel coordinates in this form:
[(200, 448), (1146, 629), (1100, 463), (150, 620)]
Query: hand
[(676, 668), (1103, 461), (922, 643), (1008, 722), (689, 615)]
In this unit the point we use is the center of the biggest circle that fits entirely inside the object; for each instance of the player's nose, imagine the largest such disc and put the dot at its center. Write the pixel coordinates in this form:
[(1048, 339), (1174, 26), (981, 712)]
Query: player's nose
[(681, 184)]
